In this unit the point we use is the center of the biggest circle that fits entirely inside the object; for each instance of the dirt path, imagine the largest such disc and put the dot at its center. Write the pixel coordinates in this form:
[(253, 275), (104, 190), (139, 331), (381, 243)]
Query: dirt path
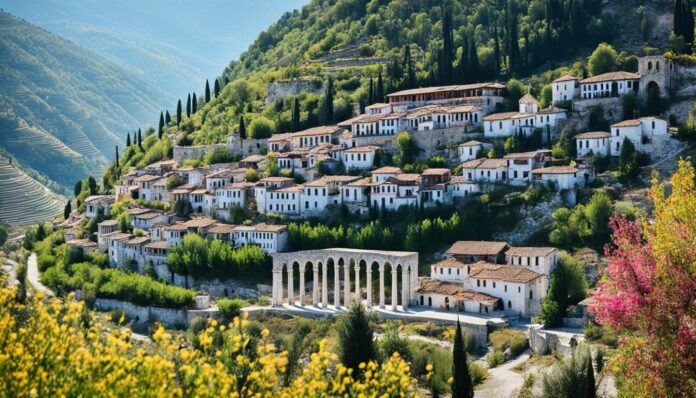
[(502, 381), (33, 276)]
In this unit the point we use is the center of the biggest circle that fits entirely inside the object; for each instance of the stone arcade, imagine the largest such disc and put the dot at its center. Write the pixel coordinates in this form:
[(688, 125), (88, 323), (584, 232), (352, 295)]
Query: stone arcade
[(342, 262)]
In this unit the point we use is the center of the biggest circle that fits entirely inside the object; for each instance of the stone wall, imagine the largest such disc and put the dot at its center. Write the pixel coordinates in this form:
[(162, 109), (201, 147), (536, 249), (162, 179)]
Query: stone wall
[(227, 288), (543, 342), (292, 88), (169, 317), (613, 109), (234, 146)]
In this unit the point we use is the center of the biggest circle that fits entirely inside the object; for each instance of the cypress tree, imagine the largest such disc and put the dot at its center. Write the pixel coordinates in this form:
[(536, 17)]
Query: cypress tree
[(380, 87), (371, 94), (92, 184), (194, 103), (496, 50), (140, 140), (447, 46), (67, 210), (590, 388), (78, 188), (117, 164), (688, 16), (410, 72), (128, 142), (188, 106), (328, 99), (464, 71), (242, 128), (178, 113), (678, 16), (207, 91), (296, 116), (217, 88), (513, 45), (461, 386), (161, 126), (167, 117), (473, 61), (226, 80)]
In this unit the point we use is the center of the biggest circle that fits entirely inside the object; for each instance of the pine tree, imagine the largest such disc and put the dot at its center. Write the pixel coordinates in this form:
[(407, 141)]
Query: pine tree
[(178, 113), (496, 50), (161, 126), (78, 188), (167, 117), (242, 128), (514, 47), (328, 99), (140, 140), (371, 93), (117, 163), (188, 106), (474, 68), (461, 386), (464, 73), (207, 91), (447, 46), (194, 104), (217, 88), (67, 210), (356, 339), (128, 142), (410, 71), (380, 87), (296, 116)]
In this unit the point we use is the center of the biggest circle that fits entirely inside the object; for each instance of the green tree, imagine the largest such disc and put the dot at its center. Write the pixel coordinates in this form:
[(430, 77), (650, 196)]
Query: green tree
[(328, 101), (510, 145), (160, 128), (188, 105), (447, 55), (242, 128), (207, 91), (92, 184), (78, 188), (116, 162), (190, 257), (271, 165), (514, 58), (380, 87), (461, 386), (356, 338), (599, 211), (194, 104), (567, 287), (3, 234), (296, 115), (183, 208), (572, 378), (67, 210), (216, 90), (261, 127), (628, 159), (128, 140), (167, 117), (603, 59), (124, 222), (140, 140), (178, 113), (405, 146)]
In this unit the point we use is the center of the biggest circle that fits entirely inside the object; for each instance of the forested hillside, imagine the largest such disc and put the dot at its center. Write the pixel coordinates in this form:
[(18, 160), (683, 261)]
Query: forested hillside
[(372, 48), (63, 109)]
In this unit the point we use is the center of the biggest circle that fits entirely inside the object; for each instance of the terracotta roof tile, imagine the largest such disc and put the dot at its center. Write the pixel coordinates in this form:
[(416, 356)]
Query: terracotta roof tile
[(477, 248), (507, 273)]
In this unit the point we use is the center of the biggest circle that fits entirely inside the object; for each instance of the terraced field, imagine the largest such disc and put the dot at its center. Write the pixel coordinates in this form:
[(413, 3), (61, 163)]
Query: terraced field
[(23, 200)]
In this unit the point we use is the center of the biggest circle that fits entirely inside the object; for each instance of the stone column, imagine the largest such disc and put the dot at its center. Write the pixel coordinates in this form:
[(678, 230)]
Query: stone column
[(346, 283), (291, 292), (324, 286), (315, 285), (404, 288), (369, 286), (394, 289), (358, 299), (278, 287), (302, 288), (381, 286), (337, 287)]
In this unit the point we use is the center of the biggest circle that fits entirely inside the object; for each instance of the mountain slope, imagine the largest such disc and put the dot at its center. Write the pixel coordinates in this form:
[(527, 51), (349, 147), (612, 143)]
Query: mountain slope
[(63, 108)]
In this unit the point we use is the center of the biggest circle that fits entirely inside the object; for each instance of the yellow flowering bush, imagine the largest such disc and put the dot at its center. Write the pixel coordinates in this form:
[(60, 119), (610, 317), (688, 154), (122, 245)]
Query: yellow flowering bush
[(53, 348)]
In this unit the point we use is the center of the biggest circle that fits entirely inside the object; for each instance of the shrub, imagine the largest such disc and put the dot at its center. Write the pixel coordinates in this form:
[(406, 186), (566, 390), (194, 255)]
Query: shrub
[(506, 338), (261, 127), (593, 332), (230, 308), (495, 358)]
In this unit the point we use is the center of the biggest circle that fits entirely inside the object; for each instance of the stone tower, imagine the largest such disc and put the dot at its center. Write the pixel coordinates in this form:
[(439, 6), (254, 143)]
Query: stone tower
[(657, 72)]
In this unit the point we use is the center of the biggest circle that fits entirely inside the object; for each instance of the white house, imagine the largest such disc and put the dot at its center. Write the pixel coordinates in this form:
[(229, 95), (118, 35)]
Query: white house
[(384, 173), (521, 290), (460, 187), (231, 195), (506, 124), (271, 238), (104, 228), (362, 157), (520, 165), (470, 150), (444, 295), (218, 179), (563, 177), (549, 117), (400, 190), (490, 170), (565, 88), (98, 203), (285, 201), (594, 142), (322, 192), (528, 104), (543, 260), (612, 84), (356, 193), (145, 184), (86, 245), (643, 133)]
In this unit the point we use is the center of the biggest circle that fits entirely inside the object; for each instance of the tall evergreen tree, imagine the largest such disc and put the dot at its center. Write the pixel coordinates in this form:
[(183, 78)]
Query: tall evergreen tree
[(296, 115), (217, 88), (447, 46), (688, 25), (380, 87), (78, 188), (207, 91), (678, 18), (178, 113), (67, 210), (408, 66), (474, 68), (356, 338), (128, 142), (242, 128), (514, 47), (160, 128), (328, 99), (496, 50), (461, 386), (167, 117), (194, 104), (140, 140), (117, 163), (371, 93), (188, 106), (464, 72), (92, 184)]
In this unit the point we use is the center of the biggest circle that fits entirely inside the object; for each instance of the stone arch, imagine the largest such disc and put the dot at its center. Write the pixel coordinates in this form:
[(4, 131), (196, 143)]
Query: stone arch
[(657, 66), (649, 65)]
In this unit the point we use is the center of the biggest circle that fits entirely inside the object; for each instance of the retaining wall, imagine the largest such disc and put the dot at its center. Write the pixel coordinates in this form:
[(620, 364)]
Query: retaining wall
[(543, 342), (169, 317)]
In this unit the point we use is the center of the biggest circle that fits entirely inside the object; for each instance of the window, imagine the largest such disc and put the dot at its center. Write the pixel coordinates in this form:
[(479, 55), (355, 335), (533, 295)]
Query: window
[(530, 295), (519, 289), (509, 304), (478, 283), (505, 288), (484, 283), (493, 285)]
